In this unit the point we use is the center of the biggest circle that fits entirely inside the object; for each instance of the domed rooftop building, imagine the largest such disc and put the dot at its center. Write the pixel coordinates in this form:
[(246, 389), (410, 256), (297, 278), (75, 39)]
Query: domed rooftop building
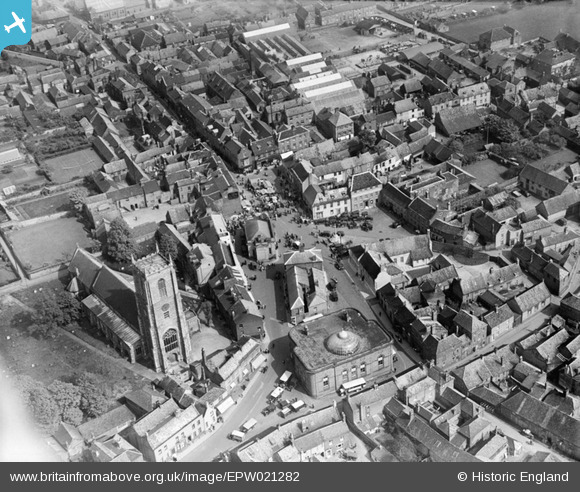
[(337, 348), (343, 343)]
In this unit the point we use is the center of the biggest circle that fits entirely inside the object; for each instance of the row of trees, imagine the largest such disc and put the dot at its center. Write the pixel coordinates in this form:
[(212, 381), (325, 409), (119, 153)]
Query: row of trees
[(84, 397), (54, 309)]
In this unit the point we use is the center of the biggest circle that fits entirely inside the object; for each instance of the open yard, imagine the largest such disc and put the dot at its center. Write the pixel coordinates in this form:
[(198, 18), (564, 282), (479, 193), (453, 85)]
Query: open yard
[(48, 243), (343, 39), (487, 172), (67, 167), (44, 206)]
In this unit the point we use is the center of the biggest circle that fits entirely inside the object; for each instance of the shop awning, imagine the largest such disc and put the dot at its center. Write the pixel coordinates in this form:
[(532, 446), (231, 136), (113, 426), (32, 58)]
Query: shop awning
[(258, 361), (224, 405)]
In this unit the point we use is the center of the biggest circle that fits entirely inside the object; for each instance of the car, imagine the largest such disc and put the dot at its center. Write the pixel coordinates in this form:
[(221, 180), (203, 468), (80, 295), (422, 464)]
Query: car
[(333, 296), (338, 266), (340, 233), (525, 193), (268, 410), (395, 225), (516, 193)]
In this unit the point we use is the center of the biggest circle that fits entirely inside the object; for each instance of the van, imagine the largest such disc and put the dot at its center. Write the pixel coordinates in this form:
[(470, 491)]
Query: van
[(297, 405), (249, 425), (285, 411), (237, 436)]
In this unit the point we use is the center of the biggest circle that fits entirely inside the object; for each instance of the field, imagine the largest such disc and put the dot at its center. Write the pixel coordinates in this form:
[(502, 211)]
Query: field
[(44, 206), (77, 164), (48, 243)]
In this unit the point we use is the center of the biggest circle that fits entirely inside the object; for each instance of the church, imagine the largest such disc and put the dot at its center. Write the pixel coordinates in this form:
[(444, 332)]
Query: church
[(142, 315)]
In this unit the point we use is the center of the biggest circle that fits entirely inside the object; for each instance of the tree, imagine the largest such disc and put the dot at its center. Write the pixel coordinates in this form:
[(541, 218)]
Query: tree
[(502, 129), (367, 139), (67, 397), (121, 245), (38, 399), (456, 145), (94, 397), (168, 246), (557, 141), (53, 310), (78, 198)]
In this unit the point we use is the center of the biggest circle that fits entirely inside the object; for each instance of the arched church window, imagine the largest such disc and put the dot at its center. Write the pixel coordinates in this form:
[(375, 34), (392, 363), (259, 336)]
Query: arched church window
[(170, 341), (162, 288)]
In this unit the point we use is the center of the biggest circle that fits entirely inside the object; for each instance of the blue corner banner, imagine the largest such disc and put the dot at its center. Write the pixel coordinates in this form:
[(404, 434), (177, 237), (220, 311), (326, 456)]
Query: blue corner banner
[(15, 22)]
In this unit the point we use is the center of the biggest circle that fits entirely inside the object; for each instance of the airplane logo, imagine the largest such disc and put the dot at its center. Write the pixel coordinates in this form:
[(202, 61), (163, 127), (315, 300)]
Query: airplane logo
[(17, 23)]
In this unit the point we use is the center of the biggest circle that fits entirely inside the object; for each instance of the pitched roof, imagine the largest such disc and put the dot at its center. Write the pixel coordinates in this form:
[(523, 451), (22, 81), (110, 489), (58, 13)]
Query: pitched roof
[(544, 179), (532, 297), (539, 414), (363, 181), (106, 423), (458, 119)]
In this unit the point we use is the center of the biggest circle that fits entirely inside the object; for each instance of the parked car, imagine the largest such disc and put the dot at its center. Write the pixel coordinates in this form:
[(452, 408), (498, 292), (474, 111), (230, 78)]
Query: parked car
[(268, 410), (333, 296), (395, 225), (338, 266)]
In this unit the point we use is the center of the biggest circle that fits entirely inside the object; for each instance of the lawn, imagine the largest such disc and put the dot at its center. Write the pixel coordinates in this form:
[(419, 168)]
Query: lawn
[(48, 243), (486, 172), (67, 167), (45, 206)]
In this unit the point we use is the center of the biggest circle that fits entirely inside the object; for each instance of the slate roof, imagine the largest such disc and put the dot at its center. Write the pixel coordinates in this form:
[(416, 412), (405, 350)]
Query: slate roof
[(543, 416), (532, 297), (458, 119), (164, 422), (440, 449), (544, 179), (496, 317), (558, 203), (106, 423), (363, 181)]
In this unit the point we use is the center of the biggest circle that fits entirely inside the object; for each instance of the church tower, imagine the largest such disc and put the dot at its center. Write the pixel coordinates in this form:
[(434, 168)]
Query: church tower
[(161, 318)]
